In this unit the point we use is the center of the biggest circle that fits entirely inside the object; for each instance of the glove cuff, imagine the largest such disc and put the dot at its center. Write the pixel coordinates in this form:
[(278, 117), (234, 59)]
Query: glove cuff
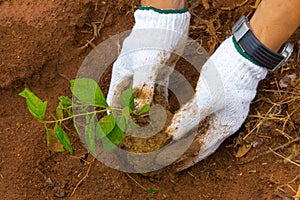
[(249, 67), (243, 53), (236, 68), (183, 10), (153, 18), (164, 31)]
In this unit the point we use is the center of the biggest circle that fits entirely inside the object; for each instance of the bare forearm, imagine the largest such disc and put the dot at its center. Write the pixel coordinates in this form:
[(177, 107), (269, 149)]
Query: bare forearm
[(275, 21), (164, 4)]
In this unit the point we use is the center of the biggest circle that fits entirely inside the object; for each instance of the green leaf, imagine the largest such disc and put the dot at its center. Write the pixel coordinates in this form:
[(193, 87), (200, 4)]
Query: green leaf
[(69, 112), (112, 140), (59, 111), (132, 124), (90, 134), (144, 109), (105, 126), (127, 98), (76, 127), (66, 101), (79, 120), (115, 137), (61, 135), (152, 191), (35, 105), (88, 92), (48, 135), (122, 123), (126, 113)]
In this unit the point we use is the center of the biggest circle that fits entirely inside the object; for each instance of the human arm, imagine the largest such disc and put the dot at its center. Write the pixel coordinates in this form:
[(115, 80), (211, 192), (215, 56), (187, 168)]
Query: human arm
[(157, 35), (275, 21), (165, 4), (229, 79)]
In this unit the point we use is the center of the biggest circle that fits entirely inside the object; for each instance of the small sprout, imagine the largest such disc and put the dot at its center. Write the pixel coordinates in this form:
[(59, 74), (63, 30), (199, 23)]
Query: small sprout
[(152, 191), (110, 129), (144, 109)]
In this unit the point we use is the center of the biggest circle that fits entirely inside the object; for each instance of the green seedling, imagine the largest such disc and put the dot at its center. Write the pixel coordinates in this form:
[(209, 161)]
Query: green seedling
[(89, 99), (152, 191)]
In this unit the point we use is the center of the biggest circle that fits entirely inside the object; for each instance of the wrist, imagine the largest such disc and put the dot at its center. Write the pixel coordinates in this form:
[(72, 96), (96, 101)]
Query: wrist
[(161, 11), (164, 4), (168, 20), (275, 21), (264, 35), (166, 31)]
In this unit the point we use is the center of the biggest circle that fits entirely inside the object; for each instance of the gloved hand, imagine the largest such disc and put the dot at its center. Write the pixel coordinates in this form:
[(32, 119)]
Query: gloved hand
[(225, 89), (149, 54)]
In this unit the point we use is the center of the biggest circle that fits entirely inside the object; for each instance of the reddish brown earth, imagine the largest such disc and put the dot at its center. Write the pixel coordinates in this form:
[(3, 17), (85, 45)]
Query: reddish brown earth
[(40, 49)]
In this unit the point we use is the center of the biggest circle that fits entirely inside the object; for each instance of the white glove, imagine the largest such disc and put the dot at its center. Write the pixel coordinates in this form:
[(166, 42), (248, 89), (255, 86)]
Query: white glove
[(149, 54), (225, 89)]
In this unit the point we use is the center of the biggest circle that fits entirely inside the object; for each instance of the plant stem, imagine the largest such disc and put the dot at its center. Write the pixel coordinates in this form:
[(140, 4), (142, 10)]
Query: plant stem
[(73, 116)]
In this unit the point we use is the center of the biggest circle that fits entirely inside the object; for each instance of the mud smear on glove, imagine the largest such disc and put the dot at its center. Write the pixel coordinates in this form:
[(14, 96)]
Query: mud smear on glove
[(156, 124), (149, 124), (188, 158)]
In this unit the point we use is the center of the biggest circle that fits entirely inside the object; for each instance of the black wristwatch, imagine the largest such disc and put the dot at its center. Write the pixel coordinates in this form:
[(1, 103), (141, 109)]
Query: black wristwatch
[(262, 55)]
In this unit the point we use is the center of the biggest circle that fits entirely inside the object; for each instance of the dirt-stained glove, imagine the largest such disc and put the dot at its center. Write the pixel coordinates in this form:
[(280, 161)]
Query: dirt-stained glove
[(149, 53), (225, 89)]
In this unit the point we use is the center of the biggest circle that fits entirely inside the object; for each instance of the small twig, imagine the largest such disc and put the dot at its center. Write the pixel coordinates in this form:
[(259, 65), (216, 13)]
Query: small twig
[(297, 196), (287, 159), (287, 136), (103, 19), (235, 6), (282, 197), (281, 91), (258, 124), (88, 43), (192, 175), (172, 181), (96, 30), (291, 188), (288, 185), (83, 158), (41, 173), (269, 151), (96, 6), (278, 88), (65, 77), (137, 183), (257, 2), (83, 178)]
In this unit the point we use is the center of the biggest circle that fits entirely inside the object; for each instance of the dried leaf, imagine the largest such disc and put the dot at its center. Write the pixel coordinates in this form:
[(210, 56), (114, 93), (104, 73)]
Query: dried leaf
[(295, 151), (54, 144), (287, 80), (205, 4), (243, 150)]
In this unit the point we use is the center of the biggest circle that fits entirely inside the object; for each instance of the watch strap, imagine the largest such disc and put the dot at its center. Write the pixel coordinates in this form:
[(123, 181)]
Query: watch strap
[(257, 51)]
